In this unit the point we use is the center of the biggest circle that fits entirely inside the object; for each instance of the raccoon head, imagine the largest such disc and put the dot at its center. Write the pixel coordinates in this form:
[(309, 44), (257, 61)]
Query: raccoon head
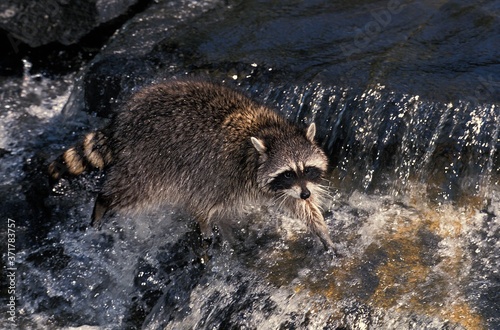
[(291, 164)]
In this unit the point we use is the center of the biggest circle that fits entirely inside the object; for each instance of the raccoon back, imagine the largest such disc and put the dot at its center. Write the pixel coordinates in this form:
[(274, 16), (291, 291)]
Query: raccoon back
[(187, 143)]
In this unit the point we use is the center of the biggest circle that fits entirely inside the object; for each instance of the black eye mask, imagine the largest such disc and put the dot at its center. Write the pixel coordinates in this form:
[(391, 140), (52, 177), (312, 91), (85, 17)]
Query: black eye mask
[(312, 173), (288, 179), (283, 181)]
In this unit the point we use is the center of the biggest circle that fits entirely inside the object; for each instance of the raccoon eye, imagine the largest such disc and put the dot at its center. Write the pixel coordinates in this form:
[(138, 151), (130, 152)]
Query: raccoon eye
[(312, 173), (283, 181)]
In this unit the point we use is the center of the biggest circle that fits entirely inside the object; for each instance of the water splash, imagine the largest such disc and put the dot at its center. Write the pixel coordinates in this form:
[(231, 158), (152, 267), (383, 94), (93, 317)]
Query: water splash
[(378, 139), (419, 247)]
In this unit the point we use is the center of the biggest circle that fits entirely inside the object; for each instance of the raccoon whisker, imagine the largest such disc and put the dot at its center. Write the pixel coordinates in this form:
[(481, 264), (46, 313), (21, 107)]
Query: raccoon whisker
[(277, 198), (281, 199), (325, 195), (327, 182), (329, 185), (323, 187), (322, 207), (317, 193), (323, 191), (286, 200)]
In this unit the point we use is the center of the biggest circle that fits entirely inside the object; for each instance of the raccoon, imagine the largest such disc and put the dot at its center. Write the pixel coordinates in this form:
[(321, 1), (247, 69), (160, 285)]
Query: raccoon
[(205, 148)]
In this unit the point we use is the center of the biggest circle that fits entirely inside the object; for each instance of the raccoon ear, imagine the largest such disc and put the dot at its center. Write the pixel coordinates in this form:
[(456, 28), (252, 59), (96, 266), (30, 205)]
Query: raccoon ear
[(311, 132), (259, 145)]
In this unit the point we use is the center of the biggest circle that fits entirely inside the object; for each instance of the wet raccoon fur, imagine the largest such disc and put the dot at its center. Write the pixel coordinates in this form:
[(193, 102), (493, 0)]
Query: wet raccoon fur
[(205, 148)]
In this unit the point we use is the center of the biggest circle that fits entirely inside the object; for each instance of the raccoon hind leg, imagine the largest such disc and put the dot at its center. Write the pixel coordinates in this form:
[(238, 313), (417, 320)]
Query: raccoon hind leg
[(100, 211)]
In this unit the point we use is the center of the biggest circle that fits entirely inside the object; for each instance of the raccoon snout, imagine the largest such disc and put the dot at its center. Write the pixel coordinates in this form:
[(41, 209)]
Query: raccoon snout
[(305, 193)]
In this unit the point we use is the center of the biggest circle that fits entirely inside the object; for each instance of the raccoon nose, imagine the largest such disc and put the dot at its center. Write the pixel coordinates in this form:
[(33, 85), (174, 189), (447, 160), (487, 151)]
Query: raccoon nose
[(305, 194)]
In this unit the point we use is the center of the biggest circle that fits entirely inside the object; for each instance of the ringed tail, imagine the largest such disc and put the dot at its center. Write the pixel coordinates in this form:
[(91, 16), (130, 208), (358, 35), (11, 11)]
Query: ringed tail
[(93, 152)]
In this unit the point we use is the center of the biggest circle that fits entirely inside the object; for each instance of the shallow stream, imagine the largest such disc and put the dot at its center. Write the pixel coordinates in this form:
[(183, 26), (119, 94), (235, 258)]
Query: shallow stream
[(411, 129)]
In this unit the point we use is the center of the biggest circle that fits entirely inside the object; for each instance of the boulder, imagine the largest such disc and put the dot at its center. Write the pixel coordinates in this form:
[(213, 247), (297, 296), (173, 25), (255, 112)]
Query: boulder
[(38, 23)]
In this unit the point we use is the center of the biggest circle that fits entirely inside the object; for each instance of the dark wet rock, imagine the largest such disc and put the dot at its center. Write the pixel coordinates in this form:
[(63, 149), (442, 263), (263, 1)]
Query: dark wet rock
[(58, 37), (66, 21), (399, 45), (3, 152), (104, 87), (49, 257)]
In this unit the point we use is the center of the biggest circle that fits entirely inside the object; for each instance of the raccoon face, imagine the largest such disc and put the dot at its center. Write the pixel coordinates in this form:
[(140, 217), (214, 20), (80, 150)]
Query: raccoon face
[(297, 183), (291, 166)]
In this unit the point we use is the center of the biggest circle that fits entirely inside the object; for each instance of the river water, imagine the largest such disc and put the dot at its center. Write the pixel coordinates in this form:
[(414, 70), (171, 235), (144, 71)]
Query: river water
[(409, 121)]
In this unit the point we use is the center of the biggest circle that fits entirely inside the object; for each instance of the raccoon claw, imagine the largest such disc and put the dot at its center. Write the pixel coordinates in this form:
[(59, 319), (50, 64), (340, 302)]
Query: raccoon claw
[(327, 243), (205, 256)]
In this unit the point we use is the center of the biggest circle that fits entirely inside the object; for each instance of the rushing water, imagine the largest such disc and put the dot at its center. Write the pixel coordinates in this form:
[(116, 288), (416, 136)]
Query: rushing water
[(414, 208)]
